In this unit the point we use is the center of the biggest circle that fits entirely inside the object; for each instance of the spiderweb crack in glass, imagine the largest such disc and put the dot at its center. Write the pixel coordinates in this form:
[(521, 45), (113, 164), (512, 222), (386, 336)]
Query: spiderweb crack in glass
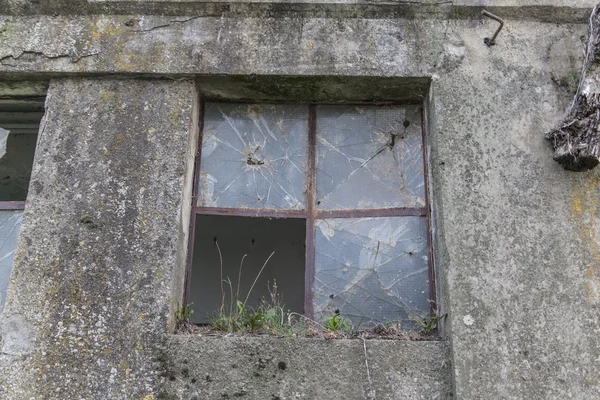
[(254, 156), (374, 270), (369, 157)]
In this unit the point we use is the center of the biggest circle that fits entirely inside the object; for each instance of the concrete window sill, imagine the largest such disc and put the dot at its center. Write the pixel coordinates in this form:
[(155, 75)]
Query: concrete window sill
[(200, 367)]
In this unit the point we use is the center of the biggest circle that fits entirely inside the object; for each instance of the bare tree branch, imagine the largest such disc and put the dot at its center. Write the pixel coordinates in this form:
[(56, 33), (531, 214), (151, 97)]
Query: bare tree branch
[(576, 140)]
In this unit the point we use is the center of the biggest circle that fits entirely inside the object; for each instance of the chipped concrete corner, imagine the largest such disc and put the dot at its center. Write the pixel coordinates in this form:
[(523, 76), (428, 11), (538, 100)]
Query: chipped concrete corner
[(99, 266)]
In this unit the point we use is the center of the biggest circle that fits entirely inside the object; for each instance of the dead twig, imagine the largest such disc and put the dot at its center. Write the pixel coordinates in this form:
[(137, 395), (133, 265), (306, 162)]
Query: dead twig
[(372, 393)]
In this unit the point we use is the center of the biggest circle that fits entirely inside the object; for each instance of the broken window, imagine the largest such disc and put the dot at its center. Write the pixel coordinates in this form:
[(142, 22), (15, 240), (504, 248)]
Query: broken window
[(254, 156), (19, 124), (337, 192)]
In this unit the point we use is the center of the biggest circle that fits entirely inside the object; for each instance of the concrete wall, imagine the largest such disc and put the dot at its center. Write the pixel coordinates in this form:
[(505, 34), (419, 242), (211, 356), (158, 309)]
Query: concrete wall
[(272, 368), (517, 237), (97, 271)]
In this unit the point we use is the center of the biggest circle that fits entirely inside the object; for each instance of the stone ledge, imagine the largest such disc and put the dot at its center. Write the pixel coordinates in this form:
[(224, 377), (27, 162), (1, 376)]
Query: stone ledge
[(565, 11), (209, 367)]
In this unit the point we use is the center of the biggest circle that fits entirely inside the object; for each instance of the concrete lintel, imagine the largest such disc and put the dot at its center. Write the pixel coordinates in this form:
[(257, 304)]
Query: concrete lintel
[(321, 89), (257, 88), (190, 46)]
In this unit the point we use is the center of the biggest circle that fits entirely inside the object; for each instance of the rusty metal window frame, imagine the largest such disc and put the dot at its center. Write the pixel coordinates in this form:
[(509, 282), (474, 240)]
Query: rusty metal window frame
[(311, 213), (12, 205)]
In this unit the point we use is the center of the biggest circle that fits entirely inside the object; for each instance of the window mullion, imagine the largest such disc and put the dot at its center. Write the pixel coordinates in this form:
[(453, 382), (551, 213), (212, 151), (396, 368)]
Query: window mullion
[(372, 213), (310, 213)]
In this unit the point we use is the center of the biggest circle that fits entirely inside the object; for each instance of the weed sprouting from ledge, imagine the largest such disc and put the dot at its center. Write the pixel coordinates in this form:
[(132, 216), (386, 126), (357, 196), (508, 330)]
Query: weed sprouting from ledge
[(428, 325), (271, 317)]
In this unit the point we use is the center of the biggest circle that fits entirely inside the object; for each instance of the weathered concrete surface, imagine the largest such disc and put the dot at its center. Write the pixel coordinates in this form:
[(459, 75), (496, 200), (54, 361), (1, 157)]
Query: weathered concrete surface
[(567, 11), (517, 236), (92, 289), (270, 368), (244, 46)]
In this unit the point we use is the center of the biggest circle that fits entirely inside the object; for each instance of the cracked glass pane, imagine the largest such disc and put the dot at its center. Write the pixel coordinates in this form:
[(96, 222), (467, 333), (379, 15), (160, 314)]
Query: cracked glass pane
[(254, 156), (373, 270), (10, 223), (369, 157), (3, 139)]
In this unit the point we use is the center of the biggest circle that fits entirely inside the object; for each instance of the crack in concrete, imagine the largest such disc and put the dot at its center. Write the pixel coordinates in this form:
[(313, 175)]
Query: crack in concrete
[(171, 22), (73, 57)]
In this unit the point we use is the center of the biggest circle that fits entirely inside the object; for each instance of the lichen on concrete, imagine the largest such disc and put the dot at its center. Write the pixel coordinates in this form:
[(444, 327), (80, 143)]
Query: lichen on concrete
[(512, 230), (194, 367), (92, 282)]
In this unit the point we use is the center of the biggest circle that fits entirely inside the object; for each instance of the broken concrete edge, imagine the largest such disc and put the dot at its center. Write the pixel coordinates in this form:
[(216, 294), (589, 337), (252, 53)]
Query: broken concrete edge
[(532, 11)]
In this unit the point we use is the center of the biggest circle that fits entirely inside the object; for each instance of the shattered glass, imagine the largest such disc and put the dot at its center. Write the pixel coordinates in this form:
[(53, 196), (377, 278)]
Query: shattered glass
[(369, 157), (3, 139), (10, 224), (373, 270), (254, 156)]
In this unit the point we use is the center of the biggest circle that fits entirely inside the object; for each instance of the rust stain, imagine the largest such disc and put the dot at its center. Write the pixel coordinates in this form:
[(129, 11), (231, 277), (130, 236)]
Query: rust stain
[(585, 206)]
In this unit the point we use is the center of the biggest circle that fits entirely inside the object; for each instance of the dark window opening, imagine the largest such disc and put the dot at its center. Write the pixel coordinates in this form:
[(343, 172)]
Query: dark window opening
[(251, 240), (19, 125)]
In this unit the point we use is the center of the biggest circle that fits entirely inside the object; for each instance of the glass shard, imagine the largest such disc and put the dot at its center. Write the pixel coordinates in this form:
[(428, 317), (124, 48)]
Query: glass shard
[(373, 270), (369, 157), (10, 224), (254, 156), (3, 138)]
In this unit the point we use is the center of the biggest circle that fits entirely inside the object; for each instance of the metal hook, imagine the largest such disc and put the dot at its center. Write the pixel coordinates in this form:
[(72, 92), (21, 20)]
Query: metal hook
[(492, 41)]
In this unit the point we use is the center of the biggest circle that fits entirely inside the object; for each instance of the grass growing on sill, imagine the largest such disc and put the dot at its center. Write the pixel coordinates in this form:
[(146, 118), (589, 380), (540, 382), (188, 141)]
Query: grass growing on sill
[(271, 318)]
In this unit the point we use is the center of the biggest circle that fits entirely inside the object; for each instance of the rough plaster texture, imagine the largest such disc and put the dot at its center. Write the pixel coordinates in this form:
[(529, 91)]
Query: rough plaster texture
[(273, 368), (287, 45), (520, 251), (517, 237), (546, 10), (92, 283)]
